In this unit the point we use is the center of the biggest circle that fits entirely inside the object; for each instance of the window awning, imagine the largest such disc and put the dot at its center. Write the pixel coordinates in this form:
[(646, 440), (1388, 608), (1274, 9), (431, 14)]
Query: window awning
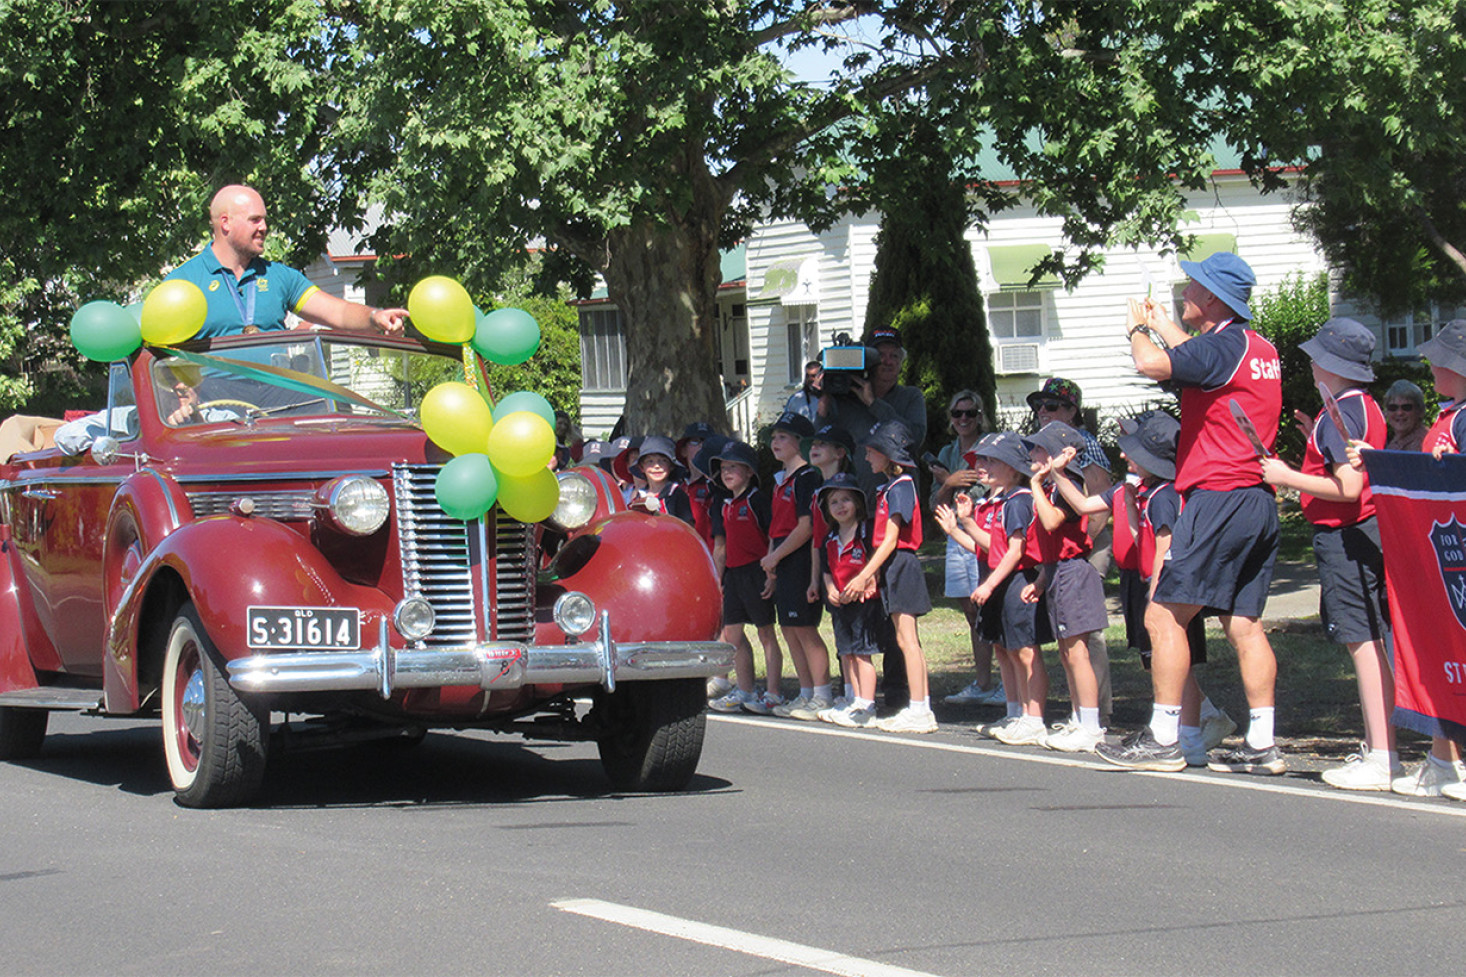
[(1209, 244), (1013, 266), (790, 281)]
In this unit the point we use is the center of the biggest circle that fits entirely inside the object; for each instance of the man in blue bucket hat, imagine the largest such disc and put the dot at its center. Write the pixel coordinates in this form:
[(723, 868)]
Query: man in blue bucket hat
[(1225, 542)]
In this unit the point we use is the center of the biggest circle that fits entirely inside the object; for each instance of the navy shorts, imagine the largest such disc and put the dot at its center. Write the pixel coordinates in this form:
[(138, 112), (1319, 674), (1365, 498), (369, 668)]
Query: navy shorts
[(1010, 621), (903, 585), (1134, 601), (741, 601), (791, 583), (1222, 552), (1076, 598), (1351, 574), (858, 627)]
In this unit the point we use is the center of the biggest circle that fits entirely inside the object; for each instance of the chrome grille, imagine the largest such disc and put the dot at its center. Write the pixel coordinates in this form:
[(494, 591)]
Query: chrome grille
[(267, 505), (436, 564), (514, 579), (434, 553)]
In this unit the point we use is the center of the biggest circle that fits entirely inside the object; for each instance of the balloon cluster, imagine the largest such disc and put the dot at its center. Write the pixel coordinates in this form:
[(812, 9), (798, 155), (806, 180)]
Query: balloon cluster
[(500, 454), (171, 313)]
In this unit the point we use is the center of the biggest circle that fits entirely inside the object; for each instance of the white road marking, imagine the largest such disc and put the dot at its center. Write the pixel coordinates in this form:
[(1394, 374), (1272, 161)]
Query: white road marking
[(752, 944), (1230, 782)]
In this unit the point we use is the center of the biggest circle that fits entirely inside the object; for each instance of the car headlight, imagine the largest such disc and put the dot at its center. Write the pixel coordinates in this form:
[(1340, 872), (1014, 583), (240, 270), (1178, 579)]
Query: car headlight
[(578, 501), (575, 613), (414, 618), (357, 504)]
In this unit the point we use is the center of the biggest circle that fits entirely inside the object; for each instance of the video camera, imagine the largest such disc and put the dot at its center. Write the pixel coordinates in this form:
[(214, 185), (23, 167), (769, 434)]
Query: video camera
[(845, 361)]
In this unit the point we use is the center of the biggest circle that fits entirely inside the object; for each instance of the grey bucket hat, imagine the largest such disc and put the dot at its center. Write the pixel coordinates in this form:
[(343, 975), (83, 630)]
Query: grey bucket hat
[(1149, 440), (1343, 347), (1447, 348)]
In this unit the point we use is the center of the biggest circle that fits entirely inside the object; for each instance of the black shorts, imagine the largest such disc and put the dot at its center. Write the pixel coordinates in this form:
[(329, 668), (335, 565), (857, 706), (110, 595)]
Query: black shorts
[(1351, 574), (903, 585), (791, 584), (741, 601), (858, 627), (1076, 598), (1222, 552), (1011, 622), (1134, 599)]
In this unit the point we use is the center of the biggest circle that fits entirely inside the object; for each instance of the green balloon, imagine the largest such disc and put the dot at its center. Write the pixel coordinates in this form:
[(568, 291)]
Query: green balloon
[(524, 400), (105, 331), (467, 486), (506, 336)]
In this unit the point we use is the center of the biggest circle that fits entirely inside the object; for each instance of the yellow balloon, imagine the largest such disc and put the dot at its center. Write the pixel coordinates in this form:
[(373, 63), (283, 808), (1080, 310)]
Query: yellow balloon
[(521, 443), (173, 312), (441, 309), (456, 418), (530, 499)]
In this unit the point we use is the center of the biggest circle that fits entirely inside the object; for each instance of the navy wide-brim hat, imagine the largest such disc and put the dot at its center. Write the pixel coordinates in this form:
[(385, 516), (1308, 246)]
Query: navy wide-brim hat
[(1054, 437), (703, 460), (892, 439), (1006, 447), (848, 482), (1227, 277), (835, 434), (738, 452), (1149, 440)]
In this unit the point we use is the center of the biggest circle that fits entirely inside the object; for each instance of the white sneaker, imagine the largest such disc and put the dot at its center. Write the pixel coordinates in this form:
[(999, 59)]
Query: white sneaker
[(909, 720), (1215, 728), (1075, 739), (784, 710), (1028, 731), (719, 686), (1428, 779), (809, 711), (990, 730), (842, 702), (763, 705), (974, 694), (1456, 792), (731, 702), (1362, 772), (850, 717), (994, 696)]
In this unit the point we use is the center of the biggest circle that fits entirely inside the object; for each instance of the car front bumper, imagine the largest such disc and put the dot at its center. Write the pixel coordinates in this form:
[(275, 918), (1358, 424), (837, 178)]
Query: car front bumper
[(489, 665)]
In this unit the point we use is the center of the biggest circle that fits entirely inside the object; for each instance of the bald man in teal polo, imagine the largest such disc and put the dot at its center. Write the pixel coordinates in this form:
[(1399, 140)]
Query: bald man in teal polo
[(245, 292)]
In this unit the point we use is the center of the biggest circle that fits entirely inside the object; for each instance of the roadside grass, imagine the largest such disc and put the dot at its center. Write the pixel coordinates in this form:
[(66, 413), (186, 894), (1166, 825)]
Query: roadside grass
[(1317, 700)]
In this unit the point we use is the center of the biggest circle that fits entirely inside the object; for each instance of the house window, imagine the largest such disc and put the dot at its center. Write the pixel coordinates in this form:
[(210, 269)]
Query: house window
[(1016, 315), (1404, 336), (602, 349), (802, 340)]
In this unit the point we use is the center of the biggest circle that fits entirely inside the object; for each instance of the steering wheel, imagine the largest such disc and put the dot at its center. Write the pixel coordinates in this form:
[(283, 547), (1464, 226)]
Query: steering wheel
[(226, 402)]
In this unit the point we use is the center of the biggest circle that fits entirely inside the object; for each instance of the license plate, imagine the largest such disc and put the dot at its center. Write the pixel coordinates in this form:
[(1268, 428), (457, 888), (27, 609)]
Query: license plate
[(316, 628)]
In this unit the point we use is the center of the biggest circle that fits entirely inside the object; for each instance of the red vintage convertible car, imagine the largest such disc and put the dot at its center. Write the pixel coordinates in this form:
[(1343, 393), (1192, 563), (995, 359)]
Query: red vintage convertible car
[(257, 535)]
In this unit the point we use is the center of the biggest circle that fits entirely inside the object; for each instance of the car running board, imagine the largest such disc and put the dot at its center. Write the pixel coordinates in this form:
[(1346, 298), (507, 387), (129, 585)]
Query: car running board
[(51, 697)]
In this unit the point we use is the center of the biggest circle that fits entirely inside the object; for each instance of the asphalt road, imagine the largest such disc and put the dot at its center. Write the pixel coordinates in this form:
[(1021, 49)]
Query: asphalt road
[(800, 850)]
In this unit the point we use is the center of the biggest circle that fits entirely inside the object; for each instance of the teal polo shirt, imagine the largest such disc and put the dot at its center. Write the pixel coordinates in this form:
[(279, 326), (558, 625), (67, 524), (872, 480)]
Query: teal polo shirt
[(261, 298)]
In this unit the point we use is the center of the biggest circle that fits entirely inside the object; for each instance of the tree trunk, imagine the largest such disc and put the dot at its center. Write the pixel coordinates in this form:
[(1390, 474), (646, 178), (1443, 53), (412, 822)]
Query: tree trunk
[(665, 281)]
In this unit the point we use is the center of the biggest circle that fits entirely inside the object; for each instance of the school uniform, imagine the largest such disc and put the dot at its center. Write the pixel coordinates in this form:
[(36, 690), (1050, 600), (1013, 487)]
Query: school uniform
[(743, 523), (1013, 622), (793, 497), (1225, 544), (1075, 594), (1346, 547), (858, 626), (903, 585)]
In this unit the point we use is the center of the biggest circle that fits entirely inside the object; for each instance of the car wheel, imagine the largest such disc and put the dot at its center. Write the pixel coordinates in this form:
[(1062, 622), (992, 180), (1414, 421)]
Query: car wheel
[(21, 732), (213, 738), (654, 733)]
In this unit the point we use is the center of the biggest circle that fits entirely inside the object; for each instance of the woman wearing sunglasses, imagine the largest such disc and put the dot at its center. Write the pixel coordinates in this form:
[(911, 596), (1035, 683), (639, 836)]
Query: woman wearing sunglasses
[(1405, 415)]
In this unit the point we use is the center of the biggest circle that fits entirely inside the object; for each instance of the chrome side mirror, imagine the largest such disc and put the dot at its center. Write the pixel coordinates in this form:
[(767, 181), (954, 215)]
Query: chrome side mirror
[(106, 450)]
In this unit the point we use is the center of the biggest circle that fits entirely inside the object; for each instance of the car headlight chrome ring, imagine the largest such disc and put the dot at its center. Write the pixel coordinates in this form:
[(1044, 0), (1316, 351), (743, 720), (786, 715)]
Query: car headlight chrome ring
[(356, 504), (575, 613), (414, 618), (578, 501)]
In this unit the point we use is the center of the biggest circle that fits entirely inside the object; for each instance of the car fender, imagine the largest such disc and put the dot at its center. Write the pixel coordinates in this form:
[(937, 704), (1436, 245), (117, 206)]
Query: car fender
[(16, 671), (226, 564), (652, 572)]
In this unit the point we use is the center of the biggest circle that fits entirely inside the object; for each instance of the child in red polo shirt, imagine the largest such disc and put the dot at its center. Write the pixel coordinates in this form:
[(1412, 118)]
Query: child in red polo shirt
[(856, 618)]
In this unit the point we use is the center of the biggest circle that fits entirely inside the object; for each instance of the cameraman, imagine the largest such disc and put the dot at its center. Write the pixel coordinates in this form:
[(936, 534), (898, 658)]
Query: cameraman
[(879, 399)]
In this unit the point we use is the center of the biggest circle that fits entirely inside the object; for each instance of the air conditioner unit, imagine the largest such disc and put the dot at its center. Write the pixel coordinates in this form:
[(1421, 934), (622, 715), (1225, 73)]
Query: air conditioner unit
[(1017, 358)]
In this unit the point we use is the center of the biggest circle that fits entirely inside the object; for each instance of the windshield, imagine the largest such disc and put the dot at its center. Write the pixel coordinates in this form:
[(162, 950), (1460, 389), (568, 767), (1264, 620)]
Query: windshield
[(311, 376)]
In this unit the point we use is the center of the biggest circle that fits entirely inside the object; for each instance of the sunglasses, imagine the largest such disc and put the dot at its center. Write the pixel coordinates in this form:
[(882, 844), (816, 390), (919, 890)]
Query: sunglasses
[(1399, 407), (966, 413), (1051, 405)]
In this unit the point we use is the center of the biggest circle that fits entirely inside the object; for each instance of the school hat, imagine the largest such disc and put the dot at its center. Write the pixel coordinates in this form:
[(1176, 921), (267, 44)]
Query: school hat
[(1007, 448), (1149, 440), (1054, 437), (1227, 277), (1056, 388), (842, 480), (892, 439), (591, 452), (738, 452), (796, 424), (610, 451), (702, 462), (665, 447), (1447, 348), (621, 465), (696, 431), (835, 434), (973, 453), (1343, 347)]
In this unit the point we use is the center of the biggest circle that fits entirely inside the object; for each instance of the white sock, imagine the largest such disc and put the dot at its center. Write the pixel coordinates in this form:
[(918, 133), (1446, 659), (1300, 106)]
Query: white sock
[(1164, 724), (856, 702), (822, 691), (1015, 709), (1191, 741), (922, 705), (1386, 757), (1089, 718), (1260, 728)]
